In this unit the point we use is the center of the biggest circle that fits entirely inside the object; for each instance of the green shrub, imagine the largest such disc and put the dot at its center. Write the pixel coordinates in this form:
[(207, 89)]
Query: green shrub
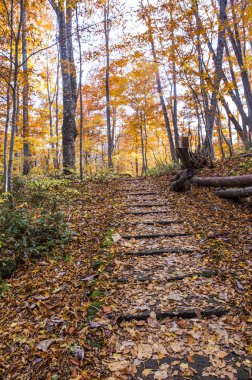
[(162, 168), (29, 234)]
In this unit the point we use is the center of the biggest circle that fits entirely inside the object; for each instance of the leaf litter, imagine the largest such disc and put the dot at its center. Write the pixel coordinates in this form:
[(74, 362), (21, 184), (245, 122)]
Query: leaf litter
[(48, 329)]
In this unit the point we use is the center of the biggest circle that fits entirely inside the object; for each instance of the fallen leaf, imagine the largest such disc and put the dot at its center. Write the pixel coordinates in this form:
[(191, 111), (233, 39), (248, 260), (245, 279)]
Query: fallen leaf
[(176, 347), (144, 351), (116, 237), (118, 366), (45, 344)]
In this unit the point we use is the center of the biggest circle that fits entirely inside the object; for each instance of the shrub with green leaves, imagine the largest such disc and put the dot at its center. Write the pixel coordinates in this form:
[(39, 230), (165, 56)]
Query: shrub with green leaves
[(162, 168), (29, 234)]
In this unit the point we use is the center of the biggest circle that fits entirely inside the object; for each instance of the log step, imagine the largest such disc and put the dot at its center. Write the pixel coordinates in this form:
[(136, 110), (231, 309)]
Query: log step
[(161, 251), (147, 205), (185, 314), (162, 222), (147, 193), (206, 273), (145, 212), (153, 236)]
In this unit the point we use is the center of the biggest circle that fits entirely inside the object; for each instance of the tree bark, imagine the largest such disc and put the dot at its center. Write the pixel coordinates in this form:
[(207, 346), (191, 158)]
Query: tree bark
[(235, 193), (210, 111), (185, 178), (159, 85), (26, 144), (64, 15), (14, 98), (107, 75), (80, 96), (8, 106)]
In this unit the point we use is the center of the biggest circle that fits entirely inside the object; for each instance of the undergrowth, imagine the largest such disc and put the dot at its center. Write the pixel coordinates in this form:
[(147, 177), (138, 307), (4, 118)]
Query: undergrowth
[(32, 222), (162, 168)]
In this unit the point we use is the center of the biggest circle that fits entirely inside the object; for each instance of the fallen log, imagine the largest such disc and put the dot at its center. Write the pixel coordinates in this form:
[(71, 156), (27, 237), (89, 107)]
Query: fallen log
[(235, 193), (239, 181), (186, 178)]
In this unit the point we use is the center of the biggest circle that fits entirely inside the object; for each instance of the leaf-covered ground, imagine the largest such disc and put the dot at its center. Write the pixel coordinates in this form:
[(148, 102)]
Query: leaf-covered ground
[(47, 302), (100, 313)]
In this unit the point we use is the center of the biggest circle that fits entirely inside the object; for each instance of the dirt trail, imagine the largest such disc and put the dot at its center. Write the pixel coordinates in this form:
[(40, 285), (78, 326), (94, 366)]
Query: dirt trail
[(174, 317)]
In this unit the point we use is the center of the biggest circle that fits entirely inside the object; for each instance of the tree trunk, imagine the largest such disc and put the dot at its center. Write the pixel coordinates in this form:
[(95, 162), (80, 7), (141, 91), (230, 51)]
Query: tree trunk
[(8, 98), (108, 108), (159, 86), (220, 134), (174, 80), (210, 111), (80, 96), (57, 152), (26, 144), (14, 99), (69, 131)]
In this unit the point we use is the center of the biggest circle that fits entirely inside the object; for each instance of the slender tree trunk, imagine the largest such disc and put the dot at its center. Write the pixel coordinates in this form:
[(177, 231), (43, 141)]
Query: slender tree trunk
[(8, 105), (107, 75), (14, 99), (220, 134), (57, 152), (147, 20), (210, 110), (162, 101), (174, 80), (80, 96), (26, 144)]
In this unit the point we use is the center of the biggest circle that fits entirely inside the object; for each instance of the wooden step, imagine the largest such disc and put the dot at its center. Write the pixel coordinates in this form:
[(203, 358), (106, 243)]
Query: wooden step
[(161, 251), (154, 236), (147, 193), (184, 314), (145, 212), (149, 278), (147, 205), (150, 223)]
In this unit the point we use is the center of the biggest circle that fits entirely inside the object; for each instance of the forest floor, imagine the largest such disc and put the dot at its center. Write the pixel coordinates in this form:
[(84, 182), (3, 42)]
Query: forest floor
[(128, 304)]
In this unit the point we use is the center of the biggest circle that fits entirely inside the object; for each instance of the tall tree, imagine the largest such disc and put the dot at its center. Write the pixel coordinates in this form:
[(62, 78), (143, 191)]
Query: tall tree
[(107, 26), (145, 14), (64, 12), (26, 145)]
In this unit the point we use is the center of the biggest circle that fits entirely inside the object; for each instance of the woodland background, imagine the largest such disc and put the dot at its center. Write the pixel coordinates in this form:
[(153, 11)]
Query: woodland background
[(125, 79)]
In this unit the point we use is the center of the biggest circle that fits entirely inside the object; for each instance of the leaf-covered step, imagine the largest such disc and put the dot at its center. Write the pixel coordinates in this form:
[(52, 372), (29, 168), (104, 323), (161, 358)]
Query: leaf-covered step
[(145, 212), (150, 223), (149, 278), (153, 236), (142, 194), (147, 205), (160, 251), (184, 314)]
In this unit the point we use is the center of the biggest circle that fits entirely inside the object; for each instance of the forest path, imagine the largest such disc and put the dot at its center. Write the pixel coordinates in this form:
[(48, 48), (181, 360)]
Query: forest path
[(175, 316)]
